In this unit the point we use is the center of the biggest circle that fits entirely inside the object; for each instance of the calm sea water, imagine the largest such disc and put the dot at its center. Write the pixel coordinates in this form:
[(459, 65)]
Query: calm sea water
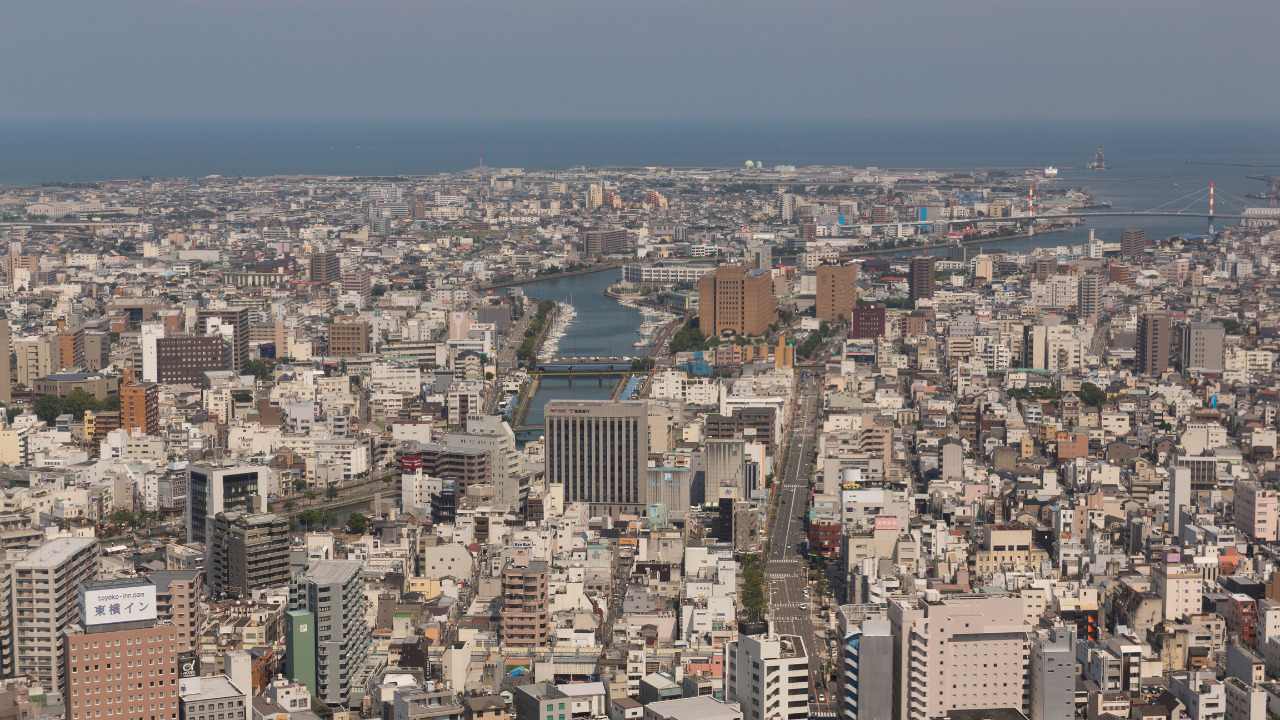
[(38, 152)]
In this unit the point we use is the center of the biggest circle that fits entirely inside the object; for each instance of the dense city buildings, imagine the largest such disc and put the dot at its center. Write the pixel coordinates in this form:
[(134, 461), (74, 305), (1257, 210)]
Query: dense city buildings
[(645, 443)]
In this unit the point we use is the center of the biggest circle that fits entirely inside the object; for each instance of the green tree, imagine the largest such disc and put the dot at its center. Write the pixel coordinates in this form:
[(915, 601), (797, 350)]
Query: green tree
[(331, 492), (122, 518), (258, 369), (357, 523), (299, 485), (111, 404), (310, 495), (1092, 395), (48, 408), (78, 401)]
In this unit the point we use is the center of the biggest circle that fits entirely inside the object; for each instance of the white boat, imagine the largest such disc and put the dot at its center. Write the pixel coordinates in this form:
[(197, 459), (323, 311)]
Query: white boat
[(1051, 171)]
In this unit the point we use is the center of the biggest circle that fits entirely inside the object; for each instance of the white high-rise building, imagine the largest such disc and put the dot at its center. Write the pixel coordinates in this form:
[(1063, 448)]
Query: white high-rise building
[(768, 676), (959, 652), (151, 332)]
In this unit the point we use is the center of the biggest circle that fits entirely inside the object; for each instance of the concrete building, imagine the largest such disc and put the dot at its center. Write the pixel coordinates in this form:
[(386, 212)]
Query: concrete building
[(212, 697), (524, 620), (736, 299), (95, 687), (606, 241), (1133, 242), (140, 407), (325, 267), (348, 338), (1257, 511), (937, 640), (231, 324), (333, 592), (837, 291), (248, 552), (866, 322), (1203, 347), (1089, 295), (598, 452), (922, 277), (1180, 588), (212, 489), (1201, 694), (768, 676), (48, 579), (1052, 674), (1153, 343), (867, 682), (186, 358), (178, 595)]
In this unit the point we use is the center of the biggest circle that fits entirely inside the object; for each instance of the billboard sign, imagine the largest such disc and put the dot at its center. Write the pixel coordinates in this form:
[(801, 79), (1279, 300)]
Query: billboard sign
[(102, 606)]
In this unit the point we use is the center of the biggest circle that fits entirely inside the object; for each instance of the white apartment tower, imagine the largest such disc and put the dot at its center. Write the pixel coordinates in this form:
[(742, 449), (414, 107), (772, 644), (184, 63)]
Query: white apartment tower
[(46, 602), (768, 676)]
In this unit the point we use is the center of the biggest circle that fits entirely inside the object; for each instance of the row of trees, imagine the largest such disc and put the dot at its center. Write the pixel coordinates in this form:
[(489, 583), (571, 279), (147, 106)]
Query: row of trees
[(525, 353)]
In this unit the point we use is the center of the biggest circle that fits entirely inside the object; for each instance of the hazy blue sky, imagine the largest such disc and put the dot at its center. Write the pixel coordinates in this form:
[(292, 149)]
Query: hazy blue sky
[(420, 59)]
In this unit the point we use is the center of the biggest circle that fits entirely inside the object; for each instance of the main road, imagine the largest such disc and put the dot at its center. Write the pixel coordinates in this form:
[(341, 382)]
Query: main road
[(790, 607)]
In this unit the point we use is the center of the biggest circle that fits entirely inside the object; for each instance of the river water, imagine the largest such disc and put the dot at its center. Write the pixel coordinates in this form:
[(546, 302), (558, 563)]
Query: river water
[(603, 329)]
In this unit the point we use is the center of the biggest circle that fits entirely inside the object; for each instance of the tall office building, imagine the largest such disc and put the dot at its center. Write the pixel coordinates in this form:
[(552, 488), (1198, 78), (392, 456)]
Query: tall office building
[(525, 620), (598, 451), (786, 207), (867, 683), (1133, 242), (325, 268), (867, 322), (46, 605), (837, 291), (119, 615), (36, 358), (348, 338), (1052, 675), (140, 407), (605, 241), (210, 322), (212, 489), (248, 552), (736, 298), (491, 434), (332, 591), (768, 676), (922, 276), (1202, 348), (936, 641), (1089, 296), (1153, 343), (184, 359), (70, 346)]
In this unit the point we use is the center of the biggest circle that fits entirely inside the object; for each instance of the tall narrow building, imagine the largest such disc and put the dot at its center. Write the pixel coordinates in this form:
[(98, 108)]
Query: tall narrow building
[(837, 291), (598, 451), (6, 382), (525, 620), (248, 552), (737, 299), (867, 682), (231, 324), (1089, 296), (922, 277), (1133, 242), (1153, 343), (332, 591), (325, 268), (140, 408), (48, 580), (1052, 675)]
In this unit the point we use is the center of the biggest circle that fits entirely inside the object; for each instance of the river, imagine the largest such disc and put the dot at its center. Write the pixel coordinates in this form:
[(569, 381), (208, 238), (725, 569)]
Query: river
[(603, 329)]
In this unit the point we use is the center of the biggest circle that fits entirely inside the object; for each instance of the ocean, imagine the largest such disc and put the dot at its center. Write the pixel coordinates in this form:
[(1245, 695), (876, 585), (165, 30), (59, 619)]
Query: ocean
[(32, 153)]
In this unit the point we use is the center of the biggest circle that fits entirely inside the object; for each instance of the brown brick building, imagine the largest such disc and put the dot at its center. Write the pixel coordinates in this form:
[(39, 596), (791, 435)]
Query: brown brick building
[(185, 358), (239, 321), (348, 339), (736, 298), (837, 291), (525, 620), (140, 407)]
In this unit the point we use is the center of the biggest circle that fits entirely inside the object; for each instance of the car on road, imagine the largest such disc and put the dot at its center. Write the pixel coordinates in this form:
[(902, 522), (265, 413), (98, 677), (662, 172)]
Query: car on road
[(804, 606)]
